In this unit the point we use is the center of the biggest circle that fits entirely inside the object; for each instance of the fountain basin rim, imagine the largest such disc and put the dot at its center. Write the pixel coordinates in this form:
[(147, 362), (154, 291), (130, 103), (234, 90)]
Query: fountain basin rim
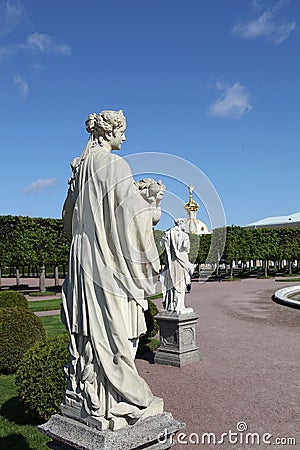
[(282, 296)]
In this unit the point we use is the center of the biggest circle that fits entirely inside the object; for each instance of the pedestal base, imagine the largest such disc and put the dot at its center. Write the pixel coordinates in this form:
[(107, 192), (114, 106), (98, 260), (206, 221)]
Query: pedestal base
[(177, 339), (154, 433), (75, 410)]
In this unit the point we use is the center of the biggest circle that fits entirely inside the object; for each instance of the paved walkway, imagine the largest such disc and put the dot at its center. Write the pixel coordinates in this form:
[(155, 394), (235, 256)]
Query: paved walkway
[(250, 370), (55, 312), (42, 297), (33, 282)]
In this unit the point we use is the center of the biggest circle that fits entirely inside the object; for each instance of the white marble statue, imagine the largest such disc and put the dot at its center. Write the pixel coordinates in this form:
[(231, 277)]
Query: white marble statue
[(178, 269), (112, 268)]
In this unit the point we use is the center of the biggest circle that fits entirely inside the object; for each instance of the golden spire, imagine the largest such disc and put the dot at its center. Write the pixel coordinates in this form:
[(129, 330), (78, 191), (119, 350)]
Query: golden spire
[(191, 205)]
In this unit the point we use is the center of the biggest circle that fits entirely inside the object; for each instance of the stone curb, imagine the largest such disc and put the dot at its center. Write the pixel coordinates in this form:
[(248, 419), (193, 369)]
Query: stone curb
[(281, 296)]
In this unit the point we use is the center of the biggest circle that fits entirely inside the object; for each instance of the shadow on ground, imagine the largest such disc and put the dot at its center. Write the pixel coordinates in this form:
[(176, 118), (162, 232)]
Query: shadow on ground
[(149, 356), (14, 442), (14, 411)]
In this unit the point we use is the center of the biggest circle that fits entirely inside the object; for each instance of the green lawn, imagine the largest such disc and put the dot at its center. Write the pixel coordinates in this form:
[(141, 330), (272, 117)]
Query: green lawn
[(44, 305), (17, 430), (53, 325), (289, 279), (155, 296)]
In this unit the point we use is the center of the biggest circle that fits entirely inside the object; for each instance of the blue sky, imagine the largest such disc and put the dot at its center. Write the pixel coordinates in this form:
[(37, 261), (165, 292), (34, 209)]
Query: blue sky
[(213, 82)]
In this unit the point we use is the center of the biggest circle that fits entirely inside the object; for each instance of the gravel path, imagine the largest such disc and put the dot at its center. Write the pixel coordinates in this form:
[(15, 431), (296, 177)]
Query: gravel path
[(33, 282), (42, 297), (250, 370), (47, 313)]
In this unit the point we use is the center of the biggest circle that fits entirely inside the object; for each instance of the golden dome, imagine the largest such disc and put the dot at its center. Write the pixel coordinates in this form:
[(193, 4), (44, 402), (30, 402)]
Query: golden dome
[(191, 205)]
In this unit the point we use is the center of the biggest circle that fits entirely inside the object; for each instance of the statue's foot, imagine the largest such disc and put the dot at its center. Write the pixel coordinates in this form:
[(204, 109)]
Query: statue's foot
[(73, 407), (185, 310), (155, 408), (123, 414)]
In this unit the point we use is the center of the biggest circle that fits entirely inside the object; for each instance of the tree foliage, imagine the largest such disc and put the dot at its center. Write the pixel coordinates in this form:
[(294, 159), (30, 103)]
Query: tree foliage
[(40, 377), (38, 241), (9, 299), (19, 330), (34, 241), (275, 244)]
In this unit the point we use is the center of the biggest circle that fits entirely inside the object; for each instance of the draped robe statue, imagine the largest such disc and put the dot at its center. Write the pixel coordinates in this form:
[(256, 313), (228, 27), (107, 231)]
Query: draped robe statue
[(112, 268), (178, 269)]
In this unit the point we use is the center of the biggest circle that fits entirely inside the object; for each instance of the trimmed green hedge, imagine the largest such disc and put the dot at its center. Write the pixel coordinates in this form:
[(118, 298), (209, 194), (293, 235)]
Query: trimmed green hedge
[(152, 325), (10, 299), (40, 377), (19, 330), (146, 342)]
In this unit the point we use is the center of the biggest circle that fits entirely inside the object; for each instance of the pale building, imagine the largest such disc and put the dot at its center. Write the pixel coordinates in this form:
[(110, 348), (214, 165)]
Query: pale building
[(191, 224), (291, 221)]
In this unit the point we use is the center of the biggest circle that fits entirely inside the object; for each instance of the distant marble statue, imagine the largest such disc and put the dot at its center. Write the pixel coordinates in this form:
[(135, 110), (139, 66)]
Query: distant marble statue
[(113, 266), (176, 276)]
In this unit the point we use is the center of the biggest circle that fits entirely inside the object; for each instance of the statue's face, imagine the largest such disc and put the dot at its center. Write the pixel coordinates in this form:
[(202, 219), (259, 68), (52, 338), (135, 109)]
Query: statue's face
[(117, 139), (90, 123)]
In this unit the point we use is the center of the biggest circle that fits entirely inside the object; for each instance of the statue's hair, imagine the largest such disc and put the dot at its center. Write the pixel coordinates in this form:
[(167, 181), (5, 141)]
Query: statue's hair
[(105, 122)]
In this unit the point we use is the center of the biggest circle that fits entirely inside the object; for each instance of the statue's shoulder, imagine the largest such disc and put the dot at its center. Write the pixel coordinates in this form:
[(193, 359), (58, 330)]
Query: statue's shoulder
[(110, 162), (109, 157)]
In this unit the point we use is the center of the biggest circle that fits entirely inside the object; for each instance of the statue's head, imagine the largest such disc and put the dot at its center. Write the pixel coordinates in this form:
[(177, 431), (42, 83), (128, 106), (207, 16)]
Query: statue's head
[(107, 126), (179, 222)]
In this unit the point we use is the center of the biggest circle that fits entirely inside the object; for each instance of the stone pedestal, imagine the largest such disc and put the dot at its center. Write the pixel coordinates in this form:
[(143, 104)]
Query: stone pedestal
[(154, 433), (177, 339)]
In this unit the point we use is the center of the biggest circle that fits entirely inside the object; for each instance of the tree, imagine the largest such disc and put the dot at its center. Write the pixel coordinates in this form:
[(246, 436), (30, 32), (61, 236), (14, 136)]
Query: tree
[(203, 250), (194, 247), (233, 248), (5, 241), (266, 245), (289, 242), (32, 241), (22, 248)]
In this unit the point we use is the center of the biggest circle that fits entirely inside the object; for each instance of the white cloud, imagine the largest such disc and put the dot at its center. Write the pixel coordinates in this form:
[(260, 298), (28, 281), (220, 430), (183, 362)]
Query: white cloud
[(233, 102), (266, 25), (36, 42), (64, 49), (39, 41), (40, 184), (46, 43), (22, 85), (11, 13)]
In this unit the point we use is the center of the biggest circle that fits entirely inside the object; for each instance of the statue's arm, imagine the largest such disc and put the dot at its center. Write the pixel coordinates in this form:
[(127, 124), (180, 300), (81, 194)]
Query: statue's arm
[(68, 208), (67, 214)]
